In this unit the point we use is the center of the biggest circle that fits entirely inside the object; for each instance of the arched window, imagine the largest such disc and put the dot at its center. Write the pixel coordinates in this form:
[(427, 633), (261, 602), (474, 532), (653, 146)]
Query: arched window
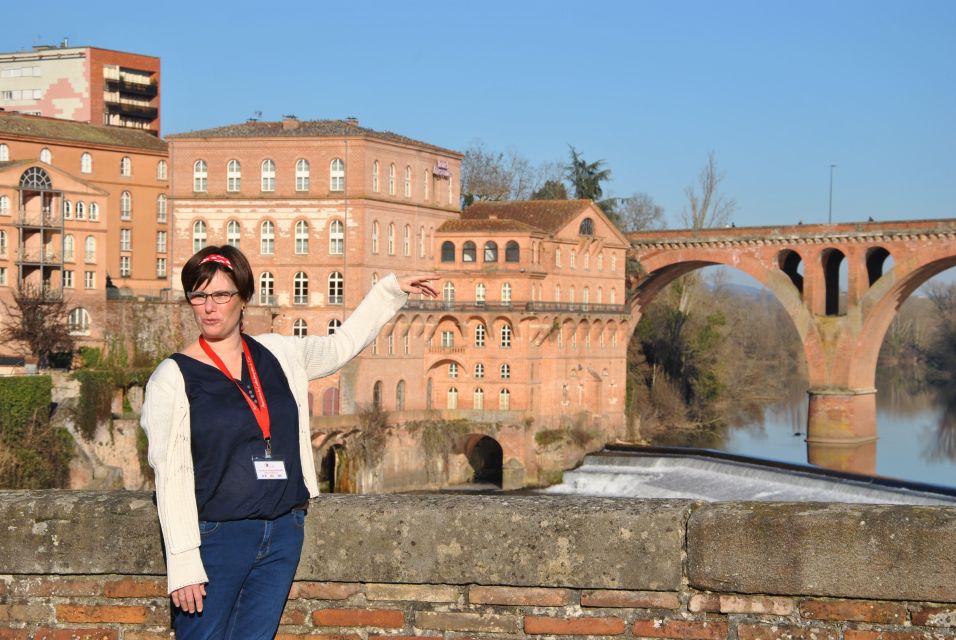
[(4, 153), (80, 210), (447, 251), (266, 288), (268, 175), (200, 176), (86, 163), (613, 262), (452, 398), (78, 322), (233, 233), (336, 175), (421, 242), (391, 179), (267, 238), (480, 293), (479, 370), (613, 295), (407, 241), (448, 292), (67, 207), (233, 176), (89, 250), (391, 238), (162, 169), (504, 400), (408, 182), (336, 238), (377, 395), (300, 328), (586, 228), (374, 278), (4, 206), (375, 236), (480, 334), (478, 399), (451, 190), (66, 256), (94, 211), (506, 334), (302, 174), (400, 396), (300, 288), (46, 156), (571, 295), (126, 205), (600, 295), (573, 261), (301, 237), (336, 288), (512, 252), (557, 293), (468, 252), (557, 256), (505, 371), (199, 235), (506, 293), (69, 246), (333, 326), (601, 261), (375, 176), (491, 251), (161, 204), (426, 174), (126, 167)]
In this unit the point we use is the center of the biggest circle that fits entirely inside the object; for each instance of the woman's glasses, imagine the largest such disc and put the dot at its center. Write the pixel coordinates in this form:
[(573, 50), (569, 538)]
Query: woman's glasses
[(198, 298)]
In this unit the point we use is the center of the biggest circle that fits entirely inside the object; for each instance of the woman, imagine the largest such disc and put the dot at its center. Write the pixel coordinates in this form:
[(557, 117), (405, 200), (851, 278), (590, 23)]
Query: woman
[(229, 441)]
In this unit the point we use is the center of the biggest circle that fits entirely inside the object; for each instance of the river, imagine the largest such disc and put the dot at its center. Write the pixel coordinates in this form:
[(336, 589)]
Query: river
[(916, 430)]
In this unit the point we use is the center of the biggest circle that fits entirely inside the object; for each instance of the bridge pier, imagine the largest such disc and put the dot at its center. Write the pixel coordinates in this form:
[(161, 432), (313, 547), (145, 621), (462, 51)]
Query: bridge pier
[(841, 429)]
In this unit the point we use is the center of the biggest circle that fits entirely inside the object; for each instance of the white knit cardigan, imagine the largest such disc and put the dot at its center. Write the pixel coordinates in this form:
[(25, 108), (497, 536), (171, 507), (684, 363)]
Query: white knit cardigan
[(165, 419)]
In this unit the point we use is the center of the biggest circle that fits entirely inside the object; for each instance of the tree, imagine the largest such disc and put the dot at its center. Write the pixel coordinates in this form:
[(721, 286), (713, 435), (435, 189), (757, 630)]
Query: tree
[(494, 175), (586, 178), (38, 320), (639, 213), (551, 190), (706, 206)]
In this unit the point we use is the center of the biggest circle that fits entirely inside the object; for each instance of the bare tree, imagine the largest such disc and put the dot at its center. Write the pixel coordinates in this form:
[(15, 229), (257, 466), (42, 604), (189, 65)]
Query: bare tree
[(706, 205), (37, 321), (639, 213), (496, 175)]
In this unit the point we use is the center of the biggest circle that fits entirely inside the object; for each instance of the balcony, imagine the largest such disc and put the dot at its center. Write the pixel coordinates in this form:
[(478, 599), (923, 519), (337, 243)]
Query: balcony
[(447, 350), (38, 257), (521, 307), (45, 218), (133, 110), (149, 89)]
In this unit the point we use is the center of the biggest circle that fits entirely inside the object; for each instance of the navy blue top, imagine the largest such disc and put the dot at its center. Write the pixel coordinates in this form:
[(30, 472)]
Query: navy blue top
[(226, 437)]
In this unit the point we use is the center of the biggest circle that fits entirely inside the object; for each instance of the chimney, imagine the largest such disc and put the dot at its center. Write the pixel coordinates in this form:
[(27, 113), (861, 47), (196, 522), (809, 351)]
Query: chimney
[(289, 122), (352, 120)]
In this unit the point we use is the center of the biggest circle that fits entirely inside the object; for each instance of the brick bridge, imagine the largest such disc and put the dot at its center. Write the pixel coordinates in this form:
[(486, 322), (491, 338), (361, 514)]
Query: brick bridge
[(886, 263)]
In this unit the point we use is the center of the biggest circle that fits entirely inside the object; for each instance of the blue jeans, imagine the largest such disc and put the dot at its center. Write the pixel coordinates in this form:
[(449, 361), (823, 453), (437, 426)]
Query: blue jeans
[(250, 565)]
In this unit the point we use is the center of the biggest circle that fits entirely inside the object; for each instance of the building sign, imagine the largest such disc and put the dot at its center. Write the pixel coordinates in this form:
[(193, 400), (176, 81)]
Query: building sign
[(441, 169)]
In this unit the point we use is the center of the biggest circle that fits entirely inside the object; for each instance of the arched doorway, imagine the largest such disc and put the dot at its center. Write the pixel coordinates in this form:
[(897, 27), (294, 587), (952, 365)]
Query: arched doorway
[(485, 457), (330, 402), (331, 469)]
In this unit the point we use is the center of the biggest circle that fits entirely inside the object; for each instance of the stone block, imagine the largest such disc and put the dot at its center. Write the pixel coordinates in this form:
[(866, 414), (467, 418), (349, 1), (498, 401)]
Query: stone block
[(838, 550)]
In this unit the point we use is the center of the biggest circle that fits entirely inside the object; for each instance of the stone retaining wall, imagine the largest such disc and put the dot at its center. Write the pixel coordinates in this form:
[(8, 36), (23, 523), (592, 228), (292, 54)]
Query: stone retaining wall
[(89, 565)]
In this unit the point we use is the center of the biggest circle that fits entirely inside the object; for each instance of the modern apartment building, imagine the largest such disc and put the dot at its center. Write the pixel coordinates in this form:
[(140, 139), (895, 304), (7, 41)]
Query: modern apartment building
[(81, 205), (85, 84)]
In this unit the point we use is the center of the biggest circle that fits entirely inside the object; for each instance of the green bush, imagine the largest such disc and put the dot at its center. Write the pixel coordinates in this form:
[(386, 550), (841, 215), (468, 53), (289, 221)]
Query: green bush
[(24, 399), (33, 454)]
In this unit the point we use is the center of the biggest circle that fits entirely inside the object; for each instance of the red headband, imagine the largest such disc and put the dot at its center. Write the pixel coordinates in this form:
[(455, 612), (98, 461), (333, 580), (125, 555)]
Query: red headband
[(216, 257)]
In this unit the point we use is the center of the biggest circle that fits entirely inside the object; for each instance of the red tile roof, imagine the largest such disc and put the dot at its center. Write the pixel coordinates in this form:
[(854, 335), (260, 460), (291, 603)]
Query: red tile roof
[(484, 225), (71, 131), (305, 129), (549, 216)]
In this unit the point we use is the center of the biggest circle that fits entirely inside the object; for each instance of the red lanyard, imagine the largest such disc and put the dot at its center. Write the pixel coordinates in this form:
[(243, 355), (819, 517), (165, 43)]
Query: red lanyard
[(260, 410)]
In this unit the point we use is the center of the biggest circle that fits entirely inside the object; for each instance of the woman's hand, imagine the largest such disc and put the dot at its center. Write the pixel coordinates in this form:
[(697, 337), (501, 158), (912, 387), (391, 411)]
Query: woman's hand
[(189, 598), (419, 284)]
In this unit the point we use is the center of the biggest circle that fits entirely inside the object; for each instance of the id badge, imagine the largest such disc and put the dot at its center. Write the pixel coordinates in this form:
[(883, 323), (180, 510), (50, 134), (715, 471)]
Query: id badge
[(269, 468)]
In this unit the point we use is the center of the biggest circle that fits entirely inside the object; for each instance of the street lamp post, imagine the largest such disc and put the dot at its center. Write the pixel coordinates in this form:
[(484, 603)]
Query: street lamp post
[(830, 209)]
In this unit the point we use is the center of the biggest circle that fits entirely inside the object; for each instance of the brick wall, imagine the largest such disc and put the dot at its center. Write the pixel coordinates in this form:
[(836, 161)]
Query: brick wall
[(511, 567)]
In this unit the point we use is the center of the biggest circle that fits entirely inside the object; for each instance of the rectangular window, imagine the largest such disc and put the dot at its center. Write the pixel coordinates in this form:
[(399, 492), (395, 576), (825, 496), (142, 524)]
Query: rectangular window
[(3, 276), (390, 344), (124, 266), (125, 239), (67, 279), (405, 347), (160, 267), (447, 339), (160, 242), (89, 279)]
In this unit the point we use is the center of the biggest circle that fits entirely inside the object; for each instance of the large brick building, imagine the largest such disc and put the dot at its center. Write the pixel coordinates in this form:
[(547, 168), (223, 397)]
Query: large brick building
[(84, 84), (81, 204), (532, 316)]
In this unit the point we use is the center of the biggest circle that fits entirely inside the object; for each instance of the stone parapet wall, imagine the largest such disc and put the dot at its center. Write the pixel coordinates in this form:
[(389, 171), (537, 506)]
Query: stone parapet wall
[(89, 565)]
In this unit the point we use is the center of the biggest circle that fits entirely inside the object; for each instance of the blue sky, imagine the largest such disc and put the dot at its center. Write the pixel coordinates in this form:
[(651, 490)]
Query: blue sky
[(778, 90)]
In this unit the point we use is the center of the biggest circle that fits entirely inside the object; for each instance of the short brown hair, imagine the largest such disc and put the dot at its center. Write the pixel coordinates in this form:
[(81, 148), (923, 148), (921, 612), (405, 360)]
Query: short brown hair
[(196, 275)]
